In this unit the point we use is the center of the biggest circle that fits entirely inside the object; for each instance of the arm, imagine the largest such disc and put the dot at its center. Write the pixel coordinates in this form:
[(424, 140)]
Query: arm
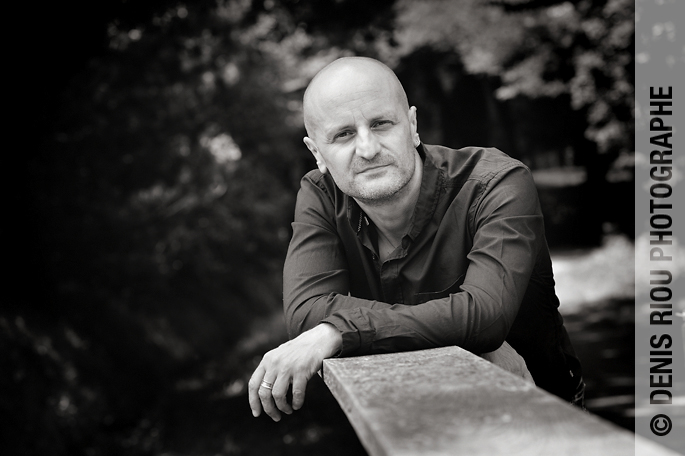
[(507, 223)]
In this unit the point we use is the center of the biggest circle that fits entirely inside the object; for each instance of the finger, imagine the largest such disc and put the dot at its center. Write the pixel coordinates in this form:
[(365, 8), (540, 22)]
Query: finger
[(280, 392), (253, 391), (299, 387), (267, 401)]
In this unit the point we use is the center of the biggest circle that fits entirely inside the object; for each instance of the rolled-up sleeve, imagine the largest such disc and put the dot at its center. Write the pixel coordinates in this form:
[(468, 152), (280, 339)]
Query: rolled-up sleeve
[(506, 224)]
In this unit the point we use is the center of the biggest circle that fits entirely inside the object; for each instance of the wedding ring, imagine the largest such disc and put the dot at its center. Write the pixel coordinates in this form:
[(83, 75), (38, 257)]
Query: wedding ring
[(266, 385)]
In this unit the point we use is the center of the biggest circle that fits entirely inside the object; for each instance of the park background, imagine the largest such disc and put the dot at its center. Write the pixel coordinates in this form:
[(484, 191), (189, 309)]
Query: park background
[(152, 219)]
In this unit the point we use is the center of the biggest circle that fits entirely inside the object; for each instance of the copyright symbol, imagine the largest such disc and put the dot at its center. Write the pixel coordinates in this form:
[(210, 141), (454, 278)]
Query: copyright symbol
[(660, 425)]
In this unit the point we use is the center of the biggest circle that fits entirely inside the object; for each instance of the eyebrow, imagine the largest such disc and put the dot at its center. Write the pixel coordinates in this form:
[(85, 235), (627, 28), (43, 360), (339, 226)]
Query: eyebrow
[(329, 133)]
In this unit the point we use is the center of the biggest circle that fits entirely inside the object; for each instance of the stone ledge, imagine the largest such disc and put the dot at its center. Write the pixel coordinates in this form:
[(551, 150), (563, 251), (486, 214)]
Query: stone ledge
[(448, 401)]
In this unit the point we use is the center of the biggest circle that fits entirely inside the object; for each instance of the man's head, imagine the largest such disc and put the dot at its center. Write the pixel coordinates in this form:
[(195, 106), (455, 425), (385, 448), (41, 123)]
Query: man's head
[(361, 129)]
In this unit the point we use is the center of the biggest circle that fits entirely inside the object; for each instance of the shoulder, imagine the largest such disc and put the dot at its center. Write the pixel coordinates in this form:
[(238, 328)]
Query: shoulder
[(317, 182), (319, 195), (477, 163), (480, 174)]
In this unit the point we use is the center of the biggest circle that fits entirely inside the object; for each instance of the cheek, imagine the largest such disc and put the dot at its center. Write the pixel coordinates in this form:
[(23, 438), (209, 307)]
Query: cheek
[(340, 158), (336, 168)]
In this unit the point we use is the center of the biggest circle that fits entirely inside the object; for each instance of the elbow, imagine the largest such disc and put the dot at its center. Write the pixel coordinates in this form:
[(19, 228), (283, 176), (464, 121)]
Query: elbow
[(489, 322), (491, 337), (488, 346)]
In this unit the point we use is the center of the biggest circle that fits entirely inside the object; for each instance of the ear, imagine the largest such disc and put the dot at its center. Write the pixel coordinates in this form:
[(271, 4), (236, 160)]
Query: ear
[(320, 162), (413, 125)]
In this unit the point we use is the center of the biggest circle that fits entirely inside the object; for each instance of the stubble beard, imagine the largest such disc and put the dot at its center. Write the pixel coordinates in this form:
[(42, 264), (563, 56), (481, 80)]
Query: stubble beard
[(381, 193)]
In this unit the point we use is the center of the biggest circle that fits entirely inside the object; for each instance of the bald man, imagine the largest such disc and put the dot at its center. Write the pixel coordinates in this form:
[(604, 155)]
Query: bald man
[(398, 245)]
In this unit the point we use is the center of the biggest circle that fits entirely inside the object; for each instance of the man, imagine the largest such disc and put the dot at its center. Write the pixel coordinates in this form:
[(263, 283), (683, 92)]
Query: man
[(401, 246)]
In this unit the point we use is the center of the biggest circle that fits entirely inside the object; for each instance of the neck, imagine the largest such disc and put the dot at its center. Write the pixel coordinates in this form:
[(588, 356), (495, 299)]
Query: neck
[(393, 216)]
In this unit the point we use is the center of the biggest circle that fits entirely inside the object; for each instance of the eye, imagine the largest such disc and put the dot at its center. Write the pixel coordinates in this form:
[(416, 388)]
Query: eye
[(381, 123), (342, 135)]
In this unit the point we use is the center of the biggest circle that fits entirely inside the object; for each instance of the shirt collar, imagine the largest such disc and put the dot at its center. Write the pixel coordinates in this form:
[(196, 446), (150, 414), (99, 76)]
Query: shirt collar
[(428, 195)]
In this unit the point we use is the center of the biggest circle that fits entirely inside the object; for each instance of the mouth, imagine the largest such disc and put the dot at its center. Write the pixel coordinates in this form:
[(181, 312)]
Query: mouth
[(371, 169)]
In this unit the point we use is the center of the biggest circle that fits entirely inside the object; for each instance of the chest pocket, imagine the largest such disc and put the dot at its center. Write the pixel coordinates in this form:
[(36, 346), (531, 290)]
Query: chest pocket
[(420, 298)]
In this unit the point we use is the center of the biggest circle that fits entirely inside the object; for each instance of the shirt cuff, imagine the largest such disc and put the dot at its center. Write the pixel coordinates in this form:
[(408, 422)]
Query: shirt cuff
[(353, 337)]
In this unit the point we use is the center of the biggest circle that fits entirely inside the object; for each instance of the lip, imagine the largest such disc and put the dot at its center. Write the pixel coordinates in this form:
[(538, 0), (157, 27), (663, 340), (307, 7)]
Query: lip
[(371, 168)]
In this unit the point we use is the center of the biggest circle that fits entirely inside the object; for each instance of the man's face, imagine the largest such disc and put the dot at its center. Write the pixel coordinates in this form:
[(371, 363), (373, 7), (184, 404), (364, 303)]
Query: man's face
[(363, 135)]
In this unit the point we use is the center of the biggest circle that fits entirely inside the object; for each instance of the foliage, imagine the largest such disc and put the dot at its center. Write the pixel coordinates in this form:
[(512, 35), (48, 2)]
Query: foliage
[(164, 190), (582, 49)]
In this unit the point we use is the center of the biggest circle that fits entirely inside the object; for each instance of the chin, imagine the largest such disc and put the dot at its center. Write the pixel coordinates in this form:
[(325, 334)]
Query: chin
[(378, 193)]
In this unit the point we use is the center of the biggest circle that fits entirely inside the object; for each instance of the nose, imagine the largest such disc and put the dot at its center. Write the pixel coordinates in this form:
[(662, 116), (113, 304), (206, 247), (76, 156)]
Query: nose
[(367, 145)]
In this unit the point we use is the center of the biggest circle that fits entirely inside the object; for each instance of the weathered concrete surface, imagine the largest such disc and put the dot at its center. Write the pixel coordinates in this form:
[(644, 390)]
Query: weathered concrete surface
[(447, 401)]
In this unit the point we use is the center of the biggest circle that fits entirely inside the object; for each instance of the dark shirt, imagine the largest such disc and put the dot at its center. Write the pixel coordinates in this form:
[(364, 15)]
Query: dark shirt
[(473, 269)]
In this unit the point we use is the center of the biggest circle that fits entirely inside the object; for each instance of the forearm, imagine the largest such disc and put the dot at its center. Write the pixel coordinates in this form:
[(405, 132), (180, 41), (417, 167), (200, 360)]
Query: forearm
[(301, 317), (470, 320)]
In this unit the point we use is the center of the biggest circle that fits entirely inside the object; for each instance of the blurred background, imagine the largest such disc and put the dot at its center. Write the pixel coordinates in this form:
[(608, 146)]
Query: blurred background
[(151, 221)]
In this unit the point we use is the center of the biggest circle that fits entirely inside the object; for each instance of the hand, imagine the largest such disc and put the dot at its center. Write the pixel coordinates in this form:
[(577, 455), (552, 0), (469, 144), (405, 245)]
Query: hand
[(508, 359), (293, 362)]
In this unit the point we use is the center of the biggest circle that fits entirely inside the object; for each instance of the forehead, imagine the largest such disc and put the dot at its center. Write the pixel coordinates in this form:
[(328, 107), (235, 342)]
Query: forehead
[(346, 95)]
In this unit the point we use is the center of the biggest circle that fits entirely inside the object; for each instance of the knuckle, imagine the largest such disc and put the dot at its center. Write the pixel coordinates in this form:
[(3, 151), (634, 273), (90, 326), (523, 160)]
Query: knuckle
[(264, 393)]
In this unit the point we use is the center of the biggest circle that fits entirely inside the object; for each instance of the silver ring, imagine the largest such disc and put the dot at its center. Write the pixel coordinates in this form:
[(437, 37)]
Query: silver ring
[(266, 385)]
